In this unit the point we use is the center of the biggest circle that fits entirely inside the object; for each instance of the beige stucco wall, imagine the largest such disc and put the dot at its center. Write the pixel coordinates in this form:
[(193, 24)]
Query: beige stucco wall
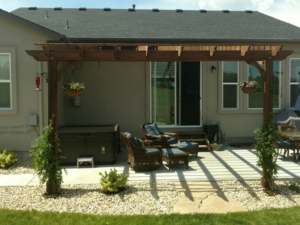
[(16, 37), (115, 93)]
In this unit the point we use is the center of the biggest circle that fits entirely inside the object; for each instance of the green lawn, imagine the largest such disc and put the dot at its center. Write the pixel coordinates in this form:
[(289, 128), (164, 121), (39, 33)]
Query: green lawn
[(264, 217)]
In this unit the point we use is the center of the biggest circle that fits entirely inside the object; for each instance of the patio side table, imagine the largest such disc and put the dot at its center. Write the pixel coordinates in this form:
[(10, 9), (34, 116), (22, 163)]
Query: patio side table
[(82, 160)]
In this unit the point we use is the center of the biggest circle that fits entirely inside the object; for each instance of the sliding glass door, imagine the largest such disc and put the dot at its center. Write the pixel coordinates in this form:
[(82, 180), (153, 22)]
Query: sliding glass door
[(175, 93), (189, 94)]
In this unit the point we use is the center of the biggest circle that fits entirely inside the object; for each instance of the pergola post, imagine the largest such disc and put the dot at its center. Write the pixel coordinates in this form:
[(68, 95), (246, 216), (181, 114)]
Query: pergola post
[(267, 75), (268, 93), (53, 95)]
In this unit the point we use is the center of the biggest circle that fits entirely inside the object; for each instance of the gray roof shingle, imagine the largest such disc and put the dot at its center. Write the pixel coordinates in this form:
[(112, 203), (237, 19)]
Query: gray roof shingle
[(165, 25)]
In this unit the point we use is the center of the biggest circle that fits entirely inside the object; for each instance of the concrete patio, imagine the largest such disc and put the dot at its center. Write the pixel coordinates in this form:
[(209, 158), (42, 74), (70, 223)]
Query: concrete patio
[(207, 169)]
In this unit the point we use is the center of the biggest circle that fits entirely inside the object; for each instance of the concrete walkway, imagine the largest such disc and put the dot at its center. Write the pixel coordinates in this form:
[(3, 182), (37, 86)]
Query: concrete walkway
[(230, 164)]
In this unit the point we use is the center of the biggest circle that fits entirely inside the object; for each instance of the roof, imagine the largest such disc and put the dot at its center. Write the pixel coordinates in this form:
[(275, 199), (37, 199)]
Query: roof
[(28, 22), (161, 25)]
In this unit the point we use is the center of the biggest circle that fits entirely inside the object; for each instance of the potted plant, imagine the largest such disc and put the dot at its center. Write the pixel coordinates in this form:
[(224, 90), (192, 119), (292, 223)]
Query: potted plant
[(248, 87), (74, 90)]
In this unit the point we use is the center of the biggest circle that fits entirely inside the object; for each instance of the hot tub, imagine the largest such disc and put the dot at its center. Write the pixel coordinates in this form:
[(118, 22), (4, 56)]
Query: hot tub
[(101, 142)]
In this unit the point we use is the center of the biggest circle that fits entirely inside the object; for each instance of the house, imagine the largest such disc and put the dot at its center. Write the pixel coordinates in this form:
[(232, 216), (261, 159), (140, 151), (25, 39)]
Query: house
[(181, 69)]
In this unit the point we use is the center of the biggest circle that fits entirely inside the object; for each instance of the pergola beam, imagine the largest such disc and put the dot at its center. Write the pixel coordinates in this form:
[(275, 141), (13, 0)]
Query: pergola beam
[(152, 55), (158, 52)]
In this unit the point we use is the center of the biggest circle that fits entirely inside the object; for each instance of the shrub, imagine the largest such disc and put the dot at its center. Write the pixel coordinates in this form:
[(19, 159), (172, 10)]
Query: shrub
[(7, 159), (113, 182), (46, 160), (267, 155), (294, 187)]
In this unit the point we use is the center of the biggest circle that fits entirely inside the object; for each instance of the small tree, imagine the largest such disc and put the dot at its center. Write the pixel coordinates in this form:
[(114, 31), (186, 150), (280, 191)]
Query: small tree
[(267, 155), (46, 160)]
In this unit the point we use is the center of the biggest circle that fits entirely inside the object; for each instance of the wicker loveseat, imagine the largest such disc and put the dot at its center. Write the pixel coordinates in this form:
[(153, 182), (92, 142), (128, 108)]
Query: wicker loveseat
[(155, 137), (141, 158)]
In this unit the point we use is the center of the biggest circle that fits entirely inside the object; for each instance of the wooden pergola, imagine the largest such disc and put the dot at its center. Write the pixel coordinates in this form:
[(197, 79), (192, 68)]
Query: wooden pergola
[(252, 53)]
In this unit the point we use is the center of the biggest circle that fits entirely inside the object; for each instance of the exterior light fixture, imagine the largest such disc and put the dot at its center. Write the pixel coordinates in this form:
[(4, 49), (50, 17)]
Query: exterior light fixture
[(213, 68)]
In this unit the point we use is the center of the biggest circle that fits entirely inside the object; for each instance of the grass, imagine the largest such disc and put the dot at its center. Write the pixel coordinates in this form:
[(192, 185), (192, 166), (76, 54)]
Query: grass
[(264, 217)]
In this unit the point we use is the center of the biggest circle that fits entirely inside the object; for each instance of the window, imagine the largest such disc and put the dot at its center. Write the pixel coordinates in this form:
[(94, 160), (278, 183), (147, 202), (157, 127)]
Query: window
[(255, 100), (163, 84), (294, 80), (230, 83), (175, 93), (5, 81)]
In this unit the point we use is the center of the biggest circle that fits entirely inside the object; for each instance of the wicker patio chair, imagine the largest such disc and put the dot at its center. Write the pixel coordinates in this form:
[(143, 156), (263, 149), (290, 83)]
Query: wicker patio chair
[(156, 138), (141, 158)]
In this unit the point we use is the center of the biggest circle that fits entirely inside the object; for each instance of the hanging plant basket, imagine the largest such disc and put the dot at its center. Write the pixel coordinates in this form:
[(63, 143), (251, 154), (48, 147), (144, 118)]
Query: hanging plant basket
[(76, 101), (74, 91), (248, 87)]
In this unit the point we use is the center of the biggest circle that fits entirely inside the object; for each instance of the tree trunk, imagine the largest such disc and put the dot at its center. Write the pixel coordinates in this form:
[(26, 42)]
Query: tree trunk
[(52, 187)]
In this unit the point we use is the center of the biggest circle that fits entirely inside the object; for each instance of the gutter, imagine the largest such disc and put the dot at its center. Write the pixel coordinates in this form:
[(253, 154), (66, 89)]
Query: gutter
[(173, 41)]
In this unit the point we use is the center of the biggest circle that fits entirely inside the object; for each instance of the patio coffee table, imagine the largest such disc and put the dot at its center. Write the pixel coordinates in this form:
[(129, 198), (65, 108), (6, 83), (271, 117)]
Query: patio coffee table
[(174, 156), (187, 147)]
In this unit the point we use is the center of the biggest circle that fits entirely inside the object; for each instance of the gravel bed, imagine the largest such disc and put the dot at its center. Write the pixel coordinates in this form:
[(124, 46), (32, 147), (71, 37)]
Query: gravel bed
[(253, 197), (138, 198), (22, 166), (88, 199)]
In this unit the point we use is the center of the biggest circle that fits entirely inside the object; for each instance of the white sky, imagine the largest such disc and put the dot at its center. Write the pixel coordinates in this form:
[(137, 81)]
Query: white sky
[(286, 10)]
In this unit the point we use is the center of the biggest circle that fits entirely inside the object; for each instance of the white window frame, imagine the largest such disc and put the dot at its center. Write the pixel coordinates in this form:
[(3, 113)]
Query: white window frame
[(175, 125), (289, 81), (230, 83), (9, 81), (279, 93)]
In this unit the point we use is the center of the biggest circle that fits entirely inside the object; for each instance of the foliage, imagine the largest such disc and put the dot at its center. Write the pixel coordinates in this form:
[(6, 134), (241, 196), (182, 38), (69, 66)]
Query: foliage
[(294, 186), (46, 159), (267, 155), (7, 159), (113, 182), (286, 216), (75, 88), (249, 84)]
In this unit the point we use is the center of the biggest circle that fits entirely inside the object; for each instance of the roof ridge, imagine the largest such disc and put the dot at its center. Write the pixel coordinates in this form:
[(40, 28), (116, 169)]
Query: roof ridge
[(137, 9)]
